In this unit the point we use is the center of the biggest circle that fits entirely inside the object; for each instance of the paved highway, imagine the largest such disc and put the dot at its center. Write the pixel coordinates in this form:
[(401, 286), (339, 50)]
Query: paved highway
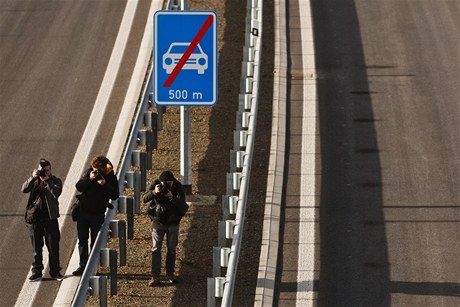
[(386, 204), (53, 58)]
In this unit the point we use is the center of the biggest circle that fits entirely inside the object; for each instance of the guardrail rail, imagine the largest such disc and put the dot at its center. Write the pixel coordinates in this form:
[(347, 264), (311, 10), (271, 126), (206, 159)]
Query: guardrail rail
[(235, 202)]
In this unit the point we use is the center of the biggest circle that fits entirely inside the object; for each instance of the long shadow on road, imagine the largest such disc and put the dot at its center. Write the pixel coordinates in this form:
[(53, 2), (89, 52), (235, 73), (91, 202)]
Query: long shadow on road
[(354, 259)]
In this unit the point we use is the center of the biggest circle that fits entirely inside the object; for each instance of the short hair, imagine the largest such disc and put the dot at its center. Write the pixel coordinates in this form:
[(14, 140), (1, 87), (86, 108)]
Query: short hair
[(99, 162)]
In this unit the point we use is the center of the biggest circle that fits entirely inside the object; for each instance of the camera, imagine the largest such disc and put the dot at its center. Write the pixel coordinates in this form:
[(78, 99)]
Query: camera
[(43, 163), (98, 174), (164, 188)]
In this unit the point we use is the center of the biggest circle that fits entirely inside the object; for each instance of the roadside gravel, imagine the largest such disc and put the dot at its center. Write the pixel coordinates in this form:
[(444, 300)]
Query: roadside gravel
[(212, 140)]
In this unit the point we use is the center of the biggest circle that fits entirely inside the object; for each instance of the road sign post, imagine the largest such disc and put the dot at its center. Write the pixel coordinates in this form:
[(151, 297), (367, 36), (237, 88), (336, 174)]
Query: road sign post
[(185, 69), (185, 58)]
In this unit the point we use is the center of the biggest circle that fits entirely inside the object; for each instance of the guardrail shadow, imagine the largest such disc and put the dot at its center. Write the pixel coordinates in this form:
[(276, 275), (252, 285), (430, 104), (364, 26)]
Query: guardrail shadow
[(354, 268)]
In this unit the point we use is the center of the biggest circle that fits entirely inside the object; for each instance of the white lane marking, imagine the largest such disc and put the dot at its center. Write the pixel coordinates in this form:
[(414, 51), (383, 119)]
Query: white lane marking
[(308, 198), (115, 152), (29, 290)]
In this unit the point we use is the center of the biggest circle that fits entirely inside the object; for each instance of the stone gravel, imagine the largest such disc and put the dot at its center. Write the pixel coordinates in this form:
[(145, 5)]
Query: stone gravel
[(212, 140)]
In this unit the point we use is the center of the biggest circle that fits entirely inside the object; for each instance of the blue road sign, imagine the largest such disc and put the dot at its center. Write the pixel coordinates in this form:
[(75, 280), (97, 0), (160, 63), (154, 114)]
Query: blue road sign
[(185, 58)]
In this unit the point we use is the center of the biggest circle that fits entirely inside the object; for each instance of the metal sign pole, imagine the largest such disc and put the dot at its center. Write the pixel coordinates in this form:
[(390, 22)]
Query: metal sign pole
[(186, 142), (186, 69), (186, 149)]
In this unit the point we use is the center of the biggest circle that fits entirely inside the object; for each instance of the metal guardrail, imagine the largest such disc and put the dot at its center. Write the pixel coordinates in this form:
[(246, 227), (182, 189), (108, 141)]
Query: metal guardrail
[(240, 164), (237, 180), (142, 118)]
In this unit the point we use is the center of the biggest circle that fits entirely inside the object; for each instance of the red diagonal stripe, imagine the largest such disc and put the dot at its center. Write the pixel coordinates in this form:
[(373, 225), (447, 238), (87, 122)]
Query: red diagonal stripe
[(189, 51)]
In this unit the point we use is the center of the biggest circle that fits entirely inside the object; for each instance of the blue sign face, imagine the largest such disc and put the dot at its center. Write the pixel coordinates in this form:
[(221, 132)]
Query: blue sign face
[(185, 58)]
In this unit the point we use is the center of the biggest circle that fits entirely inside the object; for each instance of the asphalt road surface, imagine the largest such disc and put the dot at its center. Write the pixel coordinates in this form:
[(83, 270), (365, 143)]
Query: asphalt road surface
[(53, 56), (388, 74)]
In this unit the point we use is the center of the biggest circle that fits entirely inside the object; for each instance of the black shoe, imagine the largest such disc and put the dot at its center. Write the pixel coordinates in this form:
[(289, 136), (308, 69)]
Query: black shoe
[(78, 272), (35, 276), (57, 276)]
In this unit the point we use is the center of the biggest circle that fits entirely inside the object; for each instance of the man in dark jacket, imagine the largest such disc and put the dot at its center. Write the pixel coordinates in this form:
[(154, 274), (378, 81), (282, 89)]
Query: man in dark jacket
[(167, 208), (98, 185), (41, 217)]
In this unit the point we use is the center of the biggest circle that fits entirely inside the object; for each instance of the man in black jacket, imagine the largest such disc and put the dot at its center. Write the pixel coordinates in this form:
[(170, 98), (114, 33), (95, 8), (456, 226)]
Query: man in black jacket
[(167, 208), (41, 217), (98, 185)]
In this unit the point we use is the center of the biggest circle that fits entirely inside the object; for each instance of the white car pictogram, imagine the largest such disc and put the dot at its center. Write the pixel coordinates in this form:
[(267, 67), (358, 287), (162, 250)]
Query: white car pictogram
[(198, 60)]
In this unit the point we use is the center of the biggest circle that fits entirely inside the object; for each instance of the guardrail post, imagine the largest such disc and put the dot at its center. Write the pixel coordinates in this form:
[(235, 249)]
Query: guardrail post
[(145, 138), (232, 160), (221, 240), (229, 229), (148, 119), (247, 84), (122, 241), (103, 291), (139, 159), (113, 264), (243, 139), (133, 181), (108, 258), (247, 69), (94, 286), (130, 218), (211, 292), (239, 160), (220, 282), (118, 230), (224, 256), (237, 180), (113, 228), (137, 192), (98, 287), (232, 204), (229, 184), (225, 209), (125, 205), (240, 139), (245, 101), (216, 270), (104, 257), (242, 120)]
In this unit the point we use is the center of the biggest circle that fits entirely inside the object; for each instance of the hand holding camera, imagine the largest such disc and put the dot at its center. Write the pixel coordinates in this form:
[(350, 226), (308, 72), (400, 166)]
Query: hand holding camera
[(97, 175), (163, 189), (40, 173)]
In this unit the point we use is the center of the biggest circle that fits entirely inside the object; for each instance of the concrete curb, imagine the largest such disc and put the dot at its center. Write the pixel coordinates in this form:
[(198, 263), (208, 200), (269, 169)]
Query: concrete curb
[(270, 235)]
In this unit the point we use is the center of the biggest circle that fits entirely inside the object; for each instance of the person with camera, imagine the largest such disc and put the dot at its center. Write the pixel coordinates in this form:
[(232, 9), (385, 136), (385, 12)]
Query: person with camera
[(41, 216), (166, 209), (98, 185)]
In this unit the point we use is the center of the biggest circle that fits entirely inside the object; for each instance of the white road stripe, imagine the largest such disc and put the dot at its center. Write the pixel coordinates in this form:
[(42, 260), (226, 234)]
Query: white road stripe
[(29, 290), (308, 198)]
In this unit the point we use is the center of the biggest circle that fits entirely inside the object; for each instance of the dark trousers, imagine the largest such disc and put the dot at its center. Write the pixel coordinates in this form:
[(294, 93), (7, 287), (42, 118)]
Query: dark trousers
[(45, 232), (87, 222)]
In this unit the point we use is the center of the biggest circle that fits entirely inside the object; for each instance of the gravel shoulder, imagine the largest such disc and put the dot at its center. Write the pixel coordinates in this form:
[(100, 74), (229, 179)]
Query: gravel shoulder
[(212, 140)]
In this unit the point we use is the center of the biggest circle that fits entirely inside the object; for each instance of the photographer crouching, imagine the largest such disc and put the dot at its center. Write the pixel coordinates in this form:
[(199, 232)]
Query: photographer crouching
[(167, 207)]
